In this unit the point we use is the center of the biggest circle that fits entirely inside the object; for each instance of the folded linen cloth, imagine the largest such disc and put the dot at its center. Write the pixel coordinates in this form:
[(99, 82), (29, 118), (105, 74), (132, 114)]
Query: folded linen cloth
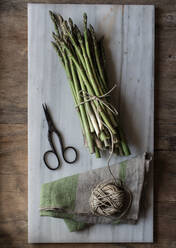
[(68, 198)]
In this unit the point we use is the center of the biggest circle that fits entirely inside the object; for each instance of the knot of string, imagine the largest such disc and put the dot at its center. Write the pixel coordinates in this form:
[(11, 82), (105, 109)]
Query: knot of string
[(90, 98)]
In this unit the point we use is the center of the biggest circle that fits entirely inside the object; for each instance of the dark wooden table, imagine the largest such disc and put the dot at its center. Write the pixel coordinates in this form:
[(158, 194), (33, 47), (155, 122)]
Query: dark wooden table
[(13, 125)]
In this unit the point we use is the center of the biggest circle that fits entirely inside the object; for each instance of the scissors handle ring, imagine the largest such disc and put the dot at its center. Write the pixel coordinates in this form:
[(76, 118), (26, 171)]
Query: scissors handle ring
[(46, 163), (75, 152)]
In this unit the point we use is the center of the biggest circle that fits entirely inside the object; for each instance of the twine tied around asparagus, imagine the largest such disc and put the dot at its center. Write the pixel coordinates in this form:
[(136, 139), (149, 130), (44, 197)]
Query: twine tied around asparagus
[(112, 197), (99, 99)]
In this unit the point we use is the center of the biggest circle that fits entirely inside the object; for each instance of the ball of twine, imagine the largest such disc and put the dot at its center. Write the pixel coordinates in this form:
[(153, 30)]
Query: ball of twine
[(107, 199)]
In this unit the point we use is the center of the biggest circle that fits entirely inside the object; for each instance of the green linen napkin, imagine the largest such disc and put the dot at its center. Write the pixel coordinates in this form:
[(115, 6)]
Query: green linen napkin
[(68, 198)]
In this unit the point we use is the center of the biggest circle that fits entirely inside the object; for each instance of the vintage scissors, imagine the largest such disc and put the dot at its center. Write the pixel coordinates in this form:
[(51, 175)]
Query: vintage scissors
[(51, 131)]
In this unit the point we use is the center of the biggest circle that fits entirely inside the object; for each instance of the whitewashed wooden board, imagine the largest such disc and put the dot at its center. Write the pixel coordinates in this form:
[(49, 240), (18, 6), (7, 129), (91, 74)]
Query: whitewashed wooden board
[(129, 36)]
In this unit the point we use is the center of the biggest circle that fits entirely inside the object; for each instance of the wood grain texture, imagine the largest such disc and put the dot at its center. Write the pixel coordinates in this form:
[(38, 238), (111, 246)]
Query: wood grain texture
[(13, 135)]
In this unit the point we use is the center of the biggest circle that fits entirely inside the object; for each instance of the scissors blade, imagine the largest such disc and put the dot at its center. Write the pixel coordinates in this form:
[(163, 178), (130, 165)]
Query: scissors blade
[(48, 117)]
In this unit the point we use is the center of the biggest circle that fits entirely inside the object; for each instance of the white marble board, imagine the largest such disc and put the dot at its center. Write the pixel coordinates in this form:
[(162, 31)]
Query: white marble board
[(129, 42)]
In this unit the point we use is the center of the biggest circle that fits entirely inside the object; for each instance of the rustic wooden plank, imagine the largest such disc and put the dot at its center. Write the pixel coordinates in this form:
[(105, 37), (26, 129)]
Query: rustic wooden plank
[(163, 245), (165, 106), (13, 76), (165, 176), (166, 215), (165, 59), (13, 151), (21, 4), (17, 244), (165, 78), (166, 16), (165, 136)]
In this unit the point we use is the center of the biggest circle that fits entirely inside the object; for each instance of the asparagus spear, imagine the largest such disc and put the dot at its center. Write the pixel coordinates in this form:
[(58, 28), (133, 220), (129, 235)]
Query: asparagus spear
[(84, 61)]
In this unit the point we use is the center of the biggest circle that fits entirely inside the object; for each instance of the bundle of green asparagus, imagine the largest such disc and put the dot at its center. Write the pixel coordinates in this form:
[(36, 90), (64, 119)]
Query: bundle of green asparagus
[(83, 58)]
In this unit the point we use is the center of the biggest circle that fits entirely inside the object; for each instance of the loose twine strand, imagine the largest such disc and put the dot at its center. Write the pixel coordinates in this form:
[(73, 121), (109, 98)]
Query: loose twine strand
[(107, 198)]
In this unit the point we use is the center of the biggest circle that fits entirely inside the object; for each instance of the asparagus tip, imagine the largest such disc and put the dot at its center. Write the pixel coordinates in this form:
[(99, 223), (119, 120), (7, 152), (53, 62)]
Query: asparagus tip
[(70, 22), (52, 15), (50, 12), (85, 15), (85, 18), (54, 45), (76, 28), (92, 29), (60, 18)]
